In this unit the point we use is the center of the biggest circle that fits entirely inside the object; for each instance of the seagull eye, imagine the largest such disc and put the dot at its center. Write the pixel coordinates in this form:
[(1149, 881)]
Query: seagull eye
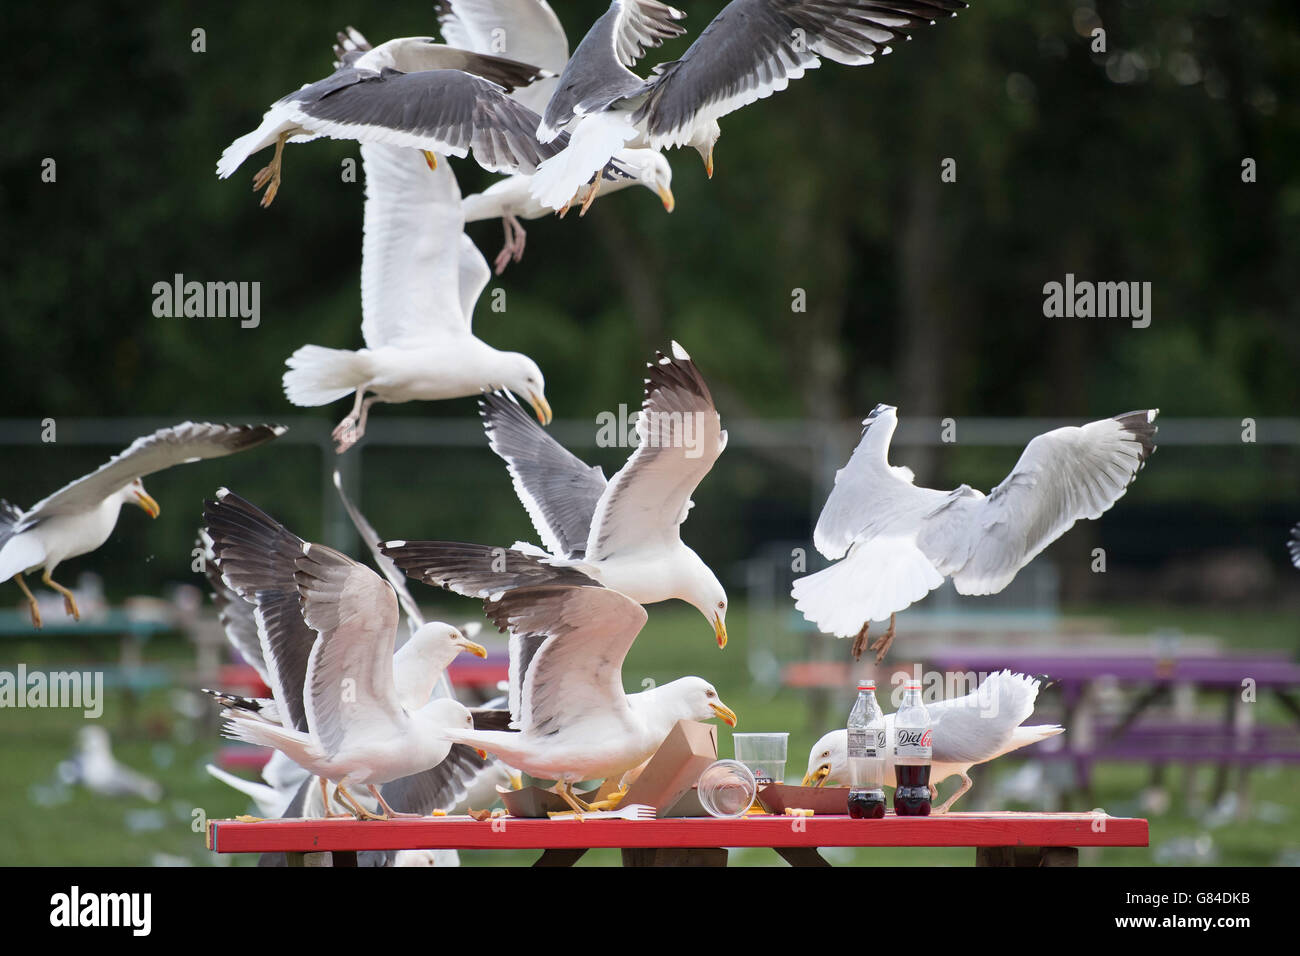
[(722, 605), (709, 693)]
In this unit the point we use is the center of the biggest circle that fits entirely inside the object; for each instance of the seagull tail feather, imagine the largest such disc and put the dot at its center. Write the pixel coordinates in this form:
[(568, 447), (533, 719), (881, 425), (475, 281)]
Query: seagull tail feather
[(318, 376), (596, 138), (878, 578)]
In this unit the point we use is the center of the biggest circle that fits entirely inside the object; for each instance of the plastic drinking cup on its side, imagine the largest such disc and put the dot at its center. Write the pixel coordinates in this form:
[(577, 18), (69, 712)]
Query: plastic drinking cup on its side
[(726, 789), (764, 754)]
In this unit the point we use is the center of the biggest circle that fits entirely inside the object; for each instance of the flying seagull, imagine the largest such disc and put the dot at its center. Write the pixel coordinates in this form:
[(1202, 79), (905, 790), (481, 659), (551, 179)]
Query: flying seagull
[(574, 720), (624, 533), (420, 279), (359, 713), (529, 31), (80, 516), (751, 49), (969, 730), (413, 92), (898, 542)]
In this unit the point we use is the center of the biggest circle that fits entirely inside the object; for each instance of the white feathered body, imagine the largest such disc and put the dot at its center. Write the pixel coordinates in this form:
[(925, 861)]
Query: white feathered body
[(59, 537)]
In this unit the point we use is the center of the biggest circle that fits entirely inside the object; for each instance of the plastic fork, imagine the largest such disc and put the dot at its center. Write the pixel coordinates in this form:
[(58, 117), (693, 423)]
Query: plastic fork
[(633, 811)]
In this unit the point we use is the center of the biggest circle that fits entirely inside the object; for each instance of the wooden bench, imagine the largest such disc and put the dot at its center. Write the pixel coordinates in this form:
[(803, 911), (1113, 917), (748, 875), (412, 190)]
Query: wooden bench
[(999, 839)]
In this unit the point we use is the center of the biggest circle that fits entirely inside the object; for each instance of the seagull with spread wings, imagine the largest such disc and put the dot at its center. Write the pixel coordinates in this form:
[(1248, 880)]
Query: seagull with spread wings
[(572, 718), (624, 533), (750, 50), (529, 31), (79, 517), (420, 279), (348, 708), (412, 92), (898, 542)]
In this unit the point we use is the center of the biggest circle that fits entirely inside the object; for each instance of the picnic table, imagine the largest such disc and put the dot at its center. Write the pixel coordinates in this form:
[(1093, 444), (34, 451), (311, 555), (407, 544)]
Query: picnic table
[(999, 839)]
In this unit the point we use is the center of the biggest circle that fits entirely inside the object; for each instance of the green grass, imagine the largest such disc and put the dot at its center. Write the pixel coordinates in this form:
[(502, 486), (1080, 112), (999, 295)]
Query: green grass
[(154, 738)]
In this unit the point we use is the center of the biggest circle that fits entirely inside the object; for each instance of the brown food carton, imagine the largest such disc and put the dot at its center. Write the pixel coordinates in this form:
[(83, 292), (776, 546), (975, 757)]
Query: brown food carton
[(779, 797), (676, 766), (538, 801)]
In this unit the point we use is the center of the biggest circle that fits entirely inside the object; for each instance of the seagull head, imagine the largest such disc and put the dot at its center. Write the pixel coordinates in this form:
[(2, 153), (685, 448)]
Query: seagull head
[(828, 760), (693, 698), (136, 495), (524, 378), (443, 716), (436, 645), (654, 173)]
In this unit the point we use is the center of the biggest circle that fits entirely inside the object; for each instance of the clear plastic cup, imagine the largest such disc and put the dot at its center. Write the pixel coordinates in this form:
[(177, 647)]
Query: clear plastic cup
[(763, 754), (726, 789)]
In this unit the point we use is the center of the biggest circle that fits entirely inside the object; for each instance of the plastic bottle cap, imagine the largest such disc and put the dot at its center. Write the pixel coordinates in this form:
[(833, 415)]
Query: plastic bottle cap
[(866, 685)]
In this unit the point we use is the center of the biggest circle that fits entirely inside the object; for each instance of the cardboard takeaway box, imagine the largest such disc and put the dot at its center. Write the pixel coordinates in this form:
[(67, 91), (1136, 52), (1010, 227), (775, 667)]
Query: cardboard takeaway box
[(668, 778), (779, 797)]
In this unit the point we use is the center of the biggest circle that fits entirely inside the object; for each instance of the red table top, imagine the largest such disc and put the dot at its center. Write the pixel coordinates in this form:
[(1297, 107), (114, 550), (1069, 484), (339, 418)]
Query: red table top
[(464, 833)]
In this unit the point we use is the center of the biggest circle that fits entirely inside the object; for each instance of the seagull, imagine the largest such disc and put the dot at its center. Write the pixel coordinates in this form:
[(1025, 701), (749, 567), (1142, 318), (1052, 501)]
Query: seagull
[(420, 278), (529, 31), (80, 516), (970, 730), (902, 541), (364, 714), (624, 533), (413, 92), (751, 49), (574, 721), (96, 769)]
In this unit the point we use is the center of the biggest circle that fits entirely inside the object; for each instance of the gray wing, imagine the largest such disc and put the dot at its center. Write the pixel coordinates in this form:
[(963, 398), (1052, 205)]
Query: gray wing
[(256, 556), (180, 444), (567, 646), (978, 726), (524, 30), (238, 617), (444, 111), (477, 570), (557, 489), (680, 437), (753, 48), (392, 574), (1062, 476), (598, 73), (440, 787)]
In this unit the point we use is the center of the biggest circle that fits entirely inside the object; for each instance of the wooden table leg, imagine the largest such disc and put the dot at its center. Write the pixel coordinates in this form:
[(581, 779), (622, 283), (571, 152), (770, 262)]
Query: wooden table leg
[(562, 857), (1027, 856), (674, 856), (345, 858), (801, 855)]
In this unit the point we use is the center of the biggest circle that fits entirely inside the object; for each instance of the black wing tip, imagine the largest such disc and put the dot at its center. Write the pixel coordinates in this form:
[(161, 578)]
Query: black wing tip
[(675, 369), (1141, 425)]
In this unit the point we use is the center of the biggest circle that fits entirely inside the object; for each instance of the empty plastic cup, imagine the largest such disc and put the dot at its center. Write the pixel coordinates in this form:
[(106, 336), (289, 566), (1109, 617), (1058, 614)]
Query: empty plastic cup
[(764, 754), (726, 788)]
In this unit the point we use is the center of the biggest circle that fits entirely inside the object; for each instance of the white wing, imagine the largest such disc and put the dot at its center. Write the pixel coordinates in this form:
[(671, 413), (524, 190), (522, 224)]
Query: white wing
[(350, 694), (567, 646), (186, 442), (681, 437), (1062, 476), (474, 276), (411, 253), (978, 726), (523, 30)]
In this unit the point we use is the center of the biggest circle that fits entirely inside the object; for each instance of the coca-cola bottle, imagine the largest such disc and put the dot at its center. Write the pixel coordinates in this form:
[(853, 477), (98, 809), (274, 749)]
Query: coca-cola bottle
[(912, 754), (867, 744)]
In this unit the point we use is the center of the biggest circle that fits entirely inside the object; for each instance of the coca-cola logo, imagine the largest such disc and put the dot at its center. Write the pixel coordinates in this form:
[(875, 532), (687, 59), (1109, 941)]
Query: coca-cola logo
[(914, 738)]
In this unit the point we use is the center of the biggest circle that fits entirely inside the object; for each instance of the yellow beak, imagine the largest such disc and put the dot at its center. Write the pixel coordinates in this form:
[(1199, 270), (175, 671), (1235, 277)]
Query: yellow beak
[(541, 408), (482, 754), (666, 195), (817, 777), (516, 781), (720, 630), (724, 713), (478, 650), (708, 163), (149, 506), (430, 158)]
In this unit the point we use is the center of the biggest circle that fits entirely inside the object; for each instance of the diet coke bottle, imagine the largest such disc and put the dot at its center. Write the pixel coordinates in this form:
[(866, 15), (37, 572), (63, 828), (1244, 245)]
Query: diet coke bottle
[(867, 744), (912, 755)]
